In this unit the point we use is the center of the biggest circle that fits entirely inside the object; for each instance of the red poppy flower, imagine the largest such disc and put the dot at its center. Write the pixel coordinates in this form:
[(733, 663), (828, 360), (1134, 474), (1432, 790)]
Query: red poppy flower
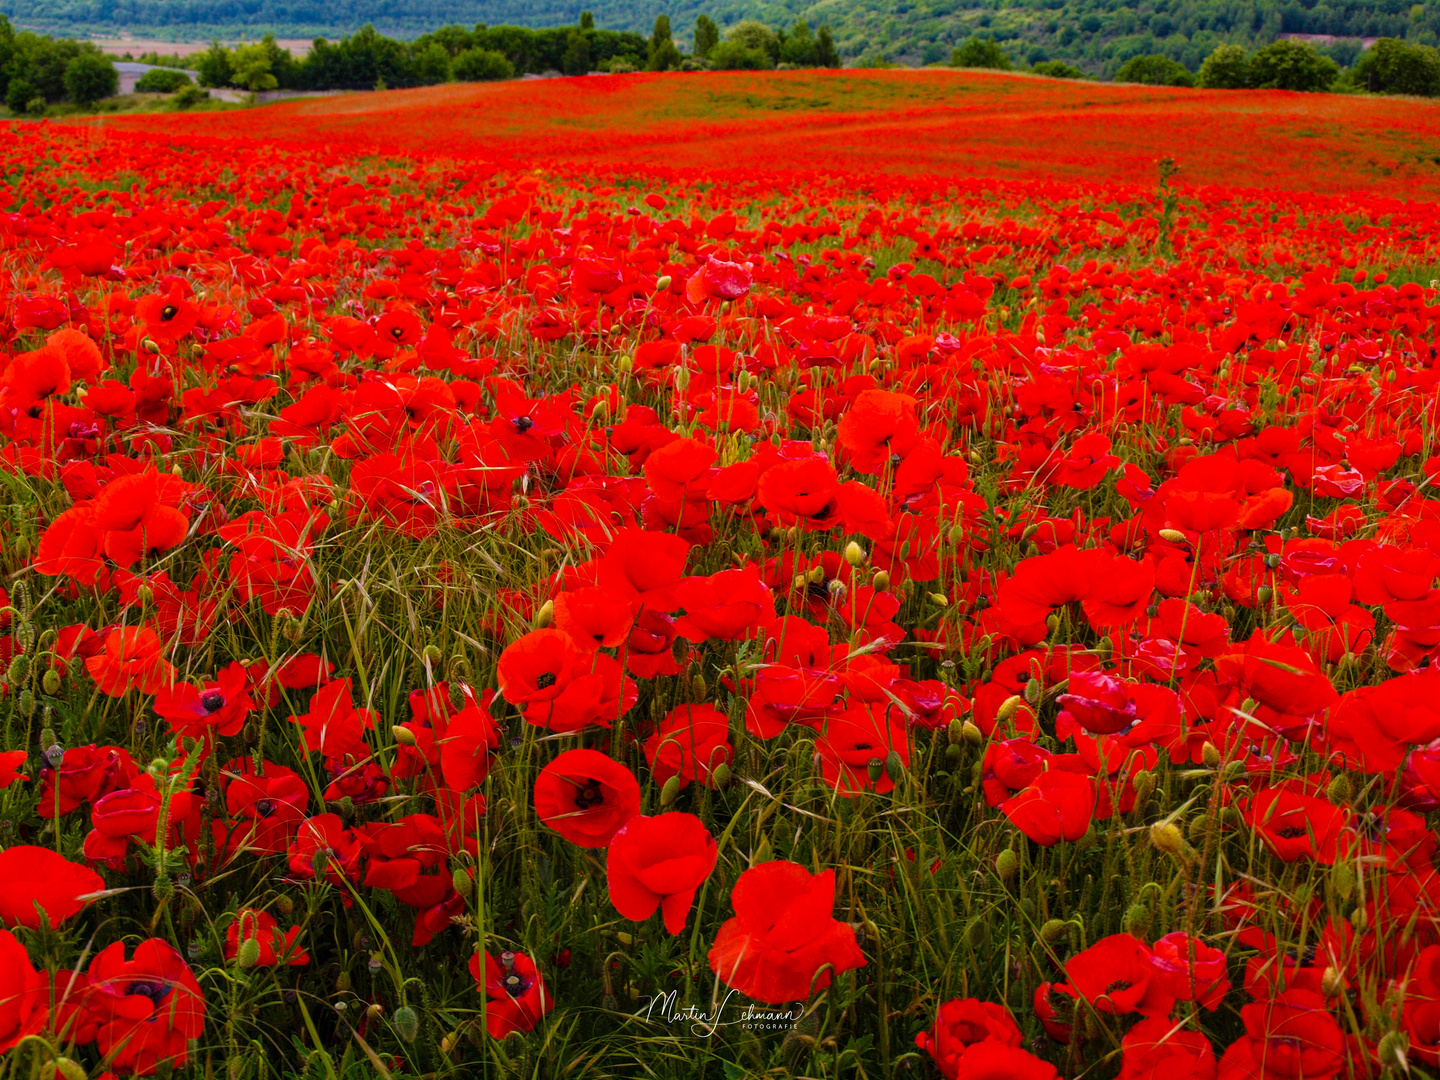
[(23, 1001), (265, 810), (691, 743), (132, 660), (150, 1005), (39, 878), (251, 924), (518, 996), (719, 280), (1295, 824), (596, 617), (1189, 970), (724, 606), (219, 707), (646, 566), (659, 862), (1160, 1049), (467, 749), (167, 318), (10, 763), (333, 725), (586, 797), (86, 773), (1293, 1035), (878, 430), (1055, 806), (783, 941), (1117, 975), (959, 1025), (855, 740)]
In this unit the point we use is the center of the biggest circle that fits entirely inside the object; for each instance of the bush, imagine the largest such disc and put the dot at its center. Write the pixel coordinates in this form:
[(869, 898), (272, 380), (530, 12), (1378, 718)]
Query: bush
[(90, 77), (18, 94), (757, 36), (189, 96), (619, 65), (733, 56), (980, 52), (482, 65), (1155, 70), (1227, 68), (1289, 65), (37, 106), (1056, 69), (162, 81), (1397, 67)]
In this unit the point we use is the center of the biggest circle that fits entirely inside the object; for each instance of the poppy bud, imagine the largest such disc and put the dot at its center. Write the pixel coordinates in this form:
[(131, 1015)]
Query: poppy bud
[(1233, 771), (433, 655), (1167, 838), (1359, 920), (682, 378), (1210, 755), (881, 581), (1332, 982), (939, 599), (27, 702), (1393, 1048), (51, 682), (973, 735), (68, 1069), (1144, 783), (148, 344), (698, 689), (626, 363), (163, 888), (662, 283), (457, 696), (248, 955), (670, 791), (284, 904), (721, 775), (1008, 708), (407, 1022), (854, 554), (601, 412), (403, 735), (1052, 623), (957, 534), (1171, 536), (875, 769), (894, 767), (460, 880), (1340, 791), (544, 617), (1197, 828), (1029, 531), (1053, 931), (342, 981), (955, 732), (1007, 864), (374, 1009), (449, 1042), (679, 650), (1137, 920), (19, 668), (47, 739), (1342, 880), (1033, 691), (953, 753)]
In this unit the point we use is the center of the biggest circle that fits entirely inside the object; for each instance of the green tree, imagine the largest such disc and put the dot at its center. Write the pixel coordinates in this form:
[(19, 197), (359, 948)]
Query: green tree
[(826, 55), (90, 77), (1226, 68), (663, 54), (432, 65), (1392, 66), (215, 67), (707, 36), (733, 56), (750, 34), (1289, 65), (7, 52), (587, 21), (978, 52), (576, 60), (18, 94), (252, 68), (1155, 70), (1056, 69), (483, 65)]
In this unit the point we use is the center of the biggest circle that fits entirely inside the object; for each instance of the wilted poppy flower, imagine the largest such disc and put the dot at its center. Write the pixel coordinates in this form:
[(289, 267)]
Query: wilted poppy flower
[(586, 797), (518, 996), (659, 862), (23, 1003), (40, 878), (784, 940)]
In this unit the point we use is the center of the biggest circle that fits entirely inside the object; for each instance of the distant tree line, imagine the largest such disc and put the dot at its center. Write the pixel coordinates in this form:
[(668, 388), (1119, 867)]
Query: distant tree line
[(1390, 66), (36, 71)]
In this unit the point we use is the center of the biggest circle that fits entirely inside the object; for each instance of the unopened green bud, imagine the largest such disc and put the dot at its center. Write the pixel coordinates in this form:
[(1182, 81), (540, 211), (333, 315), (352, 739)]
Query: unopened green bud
[(248, 955), (670, 791), (163, 888), (1210, 755), (955, 731), (50, 683), (1137, 920), (433, 655), (854, 554), (284, 904), (1033, 690), (1029, 531), (721, 775), (953, 753), (545, 616), (460, 880), (1340, 790), (19, 668), (662, 283), (894, 767), (407, 1022), (1171, 536), (1144, 785), (27, 702), (881, 581), (403, 735), (1007, 864), (68, 1068), (1393, 1050), (1053, 931), (973, 735), (1008, 708), (1167, 838)]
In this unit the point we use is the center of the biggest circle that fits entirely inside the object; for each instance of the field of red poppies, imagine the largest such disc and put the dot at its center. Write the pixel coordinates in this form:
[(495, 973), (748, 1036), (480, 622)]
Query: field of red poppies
[(473, 616)]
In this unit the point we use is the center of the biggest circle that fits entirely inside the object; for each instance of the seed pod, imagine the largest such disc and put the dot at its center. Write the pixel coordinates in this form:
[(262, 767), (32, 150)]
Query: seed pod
[(407, 1022), (1007, 864), (248, 955), (50, 683), (894, 767), (1053, 931), (875, 770), (1264, 593), (1171, 536), (670, 791)]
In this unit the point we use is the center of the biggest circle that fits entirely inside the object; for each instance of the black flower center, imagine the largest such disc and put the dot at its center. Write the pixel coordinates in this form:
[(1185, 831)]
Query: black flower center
[(212, 701), (545, 681), (523, 423), (265, 807), (155, 991), (589, 794), (168, 312)]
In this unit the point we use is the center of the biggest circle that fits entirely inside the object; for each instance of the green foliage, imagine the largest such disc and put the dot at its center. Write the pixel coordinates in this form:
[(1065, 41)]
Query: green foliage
[(189, 96), (576, 60), (214, 66), (1227, 68), (1155, 70), (733, 56), (483, 65), (162, 81), (1290, 65), (754, 35), (1397, 67), (707, 36), (1057, 69), (90, 77), (18, 95), (980, 52), (252, 69), (663, 53)]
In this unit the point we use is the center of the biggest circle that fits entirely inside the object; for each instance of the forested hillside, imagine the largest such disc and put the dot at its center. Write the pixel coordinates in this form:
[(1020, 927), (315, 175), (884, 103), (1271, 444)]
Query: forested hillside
[(1098, 35)]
